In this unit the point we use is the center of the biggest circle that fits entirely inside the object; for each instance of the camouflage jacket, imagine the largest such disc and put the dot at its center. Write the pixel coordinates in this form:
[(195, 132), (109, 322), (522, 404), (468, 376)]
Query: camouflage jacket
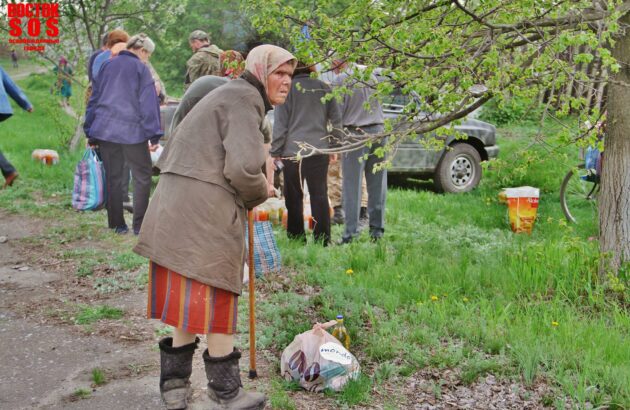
[(205, 61)]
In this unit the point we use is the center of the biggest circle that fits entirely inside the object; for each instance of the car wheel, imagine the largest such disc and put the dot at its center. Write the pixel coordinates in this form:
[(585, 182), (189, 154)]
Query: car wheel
[(459, 169)]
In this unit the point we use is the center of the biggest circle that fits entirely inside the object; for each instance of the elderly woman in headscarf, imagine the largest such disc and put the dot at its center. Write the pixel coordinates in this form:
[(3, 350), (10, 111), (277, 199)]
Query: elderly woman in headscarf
[(194, 229)]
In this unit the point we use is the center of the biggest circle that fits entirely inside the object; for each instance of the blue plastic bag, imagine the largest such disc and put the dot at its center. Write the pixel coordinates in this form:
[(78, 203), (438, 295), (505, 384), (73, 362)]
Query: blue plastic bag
[(591, 159), (266, 252), (89, 192)]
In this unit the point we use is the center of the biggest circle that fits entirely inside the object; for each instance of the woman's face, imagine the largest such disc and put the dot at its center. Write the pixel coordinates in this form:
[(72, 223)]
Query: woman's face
[(145, 55), (279, 84)]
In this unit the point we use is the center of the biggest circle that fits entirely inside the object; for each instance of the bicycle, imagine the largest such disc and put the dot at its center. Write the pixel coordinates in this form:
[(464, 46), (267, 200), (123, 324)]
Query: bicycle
[(579, 191)]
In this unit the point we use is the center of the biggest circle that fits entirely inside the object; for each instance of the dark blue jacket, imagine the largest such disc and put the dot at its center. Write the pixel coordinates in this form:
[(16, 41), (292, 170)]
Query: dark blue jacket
[(9, 89), (124, 106)]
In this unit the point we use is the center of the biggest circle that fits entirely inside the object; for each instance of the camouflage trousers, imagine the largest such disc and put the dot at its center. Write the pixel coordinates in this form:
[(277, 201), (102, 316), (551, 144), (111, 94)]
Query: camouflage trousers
[(334, 185)]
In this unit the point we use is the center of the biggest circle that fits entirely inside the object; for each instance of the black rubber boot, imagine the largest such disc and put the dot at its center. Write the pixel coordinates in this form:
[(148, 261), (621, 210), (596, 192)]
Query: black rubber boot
[(175, 371), (224, 384)]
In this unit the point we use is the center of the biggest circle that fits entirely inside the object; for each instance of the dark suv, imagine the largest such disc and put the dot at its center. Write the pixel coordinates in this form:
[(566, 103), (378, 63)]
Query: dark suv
[(454, 168)]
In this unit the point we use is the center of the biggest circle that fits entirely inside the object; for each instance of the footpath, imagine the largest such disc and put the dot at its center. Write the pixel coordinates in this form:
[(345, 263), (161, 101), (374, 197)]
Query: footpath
[(47, 361)]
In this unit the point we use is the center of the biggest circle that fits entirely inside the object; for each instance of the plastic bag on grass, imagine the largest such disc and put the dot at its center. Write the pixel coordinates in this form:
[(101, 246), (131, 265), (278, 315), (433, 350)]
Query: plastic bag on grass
[(317, 360)]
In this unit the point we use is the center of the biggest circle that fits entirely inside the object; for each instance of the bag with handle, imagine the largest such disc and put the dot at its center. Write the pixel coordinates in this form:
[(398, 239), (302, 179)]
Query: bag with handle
[(317, 360), (266, 252), (89, 183)]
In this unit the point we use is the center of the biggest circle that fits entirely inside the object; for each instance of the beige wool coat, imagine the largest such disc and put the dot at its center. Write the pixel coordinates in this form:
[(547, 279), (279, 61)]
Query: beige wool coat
[(210, 174)]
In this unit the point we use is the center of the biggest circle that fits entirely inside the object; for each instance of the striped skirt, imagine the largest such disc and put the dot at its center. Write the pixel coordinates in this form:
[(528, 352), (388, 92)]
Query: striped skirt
[(188, 304)]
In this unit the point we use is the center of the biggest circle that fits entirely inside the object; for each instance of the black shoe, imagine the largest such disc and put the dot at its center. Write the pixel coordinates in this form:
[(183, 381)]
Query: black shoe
[(121, 230), (337, 218), (344, 241), (9, 179)]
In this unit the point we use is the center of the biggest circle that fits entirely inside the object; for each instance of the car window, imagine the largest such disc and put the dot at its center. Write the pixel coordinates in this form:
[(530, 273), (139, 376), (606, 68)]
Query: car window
[(395, 102)]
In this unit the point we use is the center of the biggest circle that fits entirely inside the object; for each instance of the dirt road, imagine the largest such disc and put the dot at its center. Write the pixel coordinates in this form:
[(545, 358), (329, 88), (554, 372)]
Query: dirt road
[(47, 359)]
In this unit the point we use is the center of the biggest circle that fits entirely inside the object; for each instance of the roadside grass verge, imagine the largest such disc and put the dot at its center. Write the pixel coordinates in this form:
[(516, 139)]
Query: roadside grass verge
[(448, 287)]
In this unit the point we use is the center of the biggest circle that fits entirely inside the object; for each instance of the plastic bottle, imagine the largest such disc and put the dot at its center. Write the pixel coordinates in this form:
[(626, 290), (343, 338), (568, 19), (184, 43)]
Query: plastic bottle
[(340, 332)]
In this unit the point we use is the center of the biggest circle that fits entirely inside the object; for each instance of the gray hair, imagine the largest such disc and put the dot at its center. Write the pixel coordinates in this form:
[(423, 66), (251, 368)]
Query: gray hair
[(141, 41)]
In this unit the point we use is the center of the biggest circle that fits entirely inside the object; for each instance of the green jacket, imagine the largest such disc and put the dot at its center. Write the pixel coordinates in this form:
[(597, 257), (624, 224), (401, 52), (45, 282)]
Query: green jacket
[(205, 61)]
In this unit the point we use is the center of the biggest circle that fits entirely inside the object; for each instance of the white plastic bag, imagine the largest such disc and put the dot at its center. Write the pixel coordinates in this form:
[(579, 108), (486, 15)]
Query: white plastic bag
[(155, 155), (317, 360)]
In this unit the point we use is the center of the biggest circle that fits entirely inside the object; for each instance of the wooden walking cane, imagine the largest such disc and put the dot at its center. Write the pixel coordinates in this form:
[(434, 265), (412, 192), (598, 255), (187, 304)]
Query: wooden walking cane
[(252, 302)]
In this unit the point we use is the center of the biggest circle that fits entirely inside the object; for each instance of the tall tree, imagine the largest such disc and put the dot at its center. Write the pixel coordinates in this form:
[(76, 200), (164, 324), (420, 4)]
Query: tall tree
[(614, 201), (459, 54)]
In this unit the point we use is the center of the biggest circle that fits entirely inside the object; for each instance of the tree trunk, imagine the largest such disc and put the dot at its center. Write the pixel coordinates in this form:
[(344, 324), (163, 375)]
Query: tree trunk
[(614, 204), (600, 88)]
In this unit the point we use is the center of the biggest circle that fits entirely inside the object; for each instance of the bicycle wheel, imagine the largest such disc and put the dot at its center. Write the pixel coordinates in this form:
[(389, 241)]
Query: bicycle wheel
[(578, 195)]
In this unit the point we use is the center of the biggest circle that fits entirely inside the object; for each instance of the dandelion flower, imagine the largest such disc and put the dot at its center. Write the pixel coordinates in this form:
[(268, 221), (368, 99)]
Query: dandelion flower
[(465, 299), (349, 272), (554, 323), (434, 298)]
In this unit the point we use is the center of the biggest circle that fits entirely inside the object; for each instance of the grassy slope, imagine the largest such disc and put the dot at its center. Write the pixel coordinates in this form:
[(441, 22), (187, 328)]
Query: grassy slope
[(497, 293)]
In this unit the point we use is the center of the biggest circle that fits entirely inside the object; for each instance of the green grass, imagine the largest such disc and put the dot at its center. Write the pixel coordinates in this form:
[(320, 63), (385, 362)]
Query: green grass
[(98, 377), (82, 393), (24, 65), (92, 314), (496, 293), (527, 307)]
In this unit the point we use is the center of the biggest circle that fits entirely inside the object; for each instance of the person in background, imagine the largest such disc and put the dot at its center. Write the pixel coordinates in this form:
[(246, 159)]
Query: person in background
[(9, 89), (122, 115), (335, 183), (304, 119), (95, 54), (116, 41), (232, 64), (194, 232), (195, 93), (64, 81), (205, 60), (90, 64), (14, 58), (360, 122)]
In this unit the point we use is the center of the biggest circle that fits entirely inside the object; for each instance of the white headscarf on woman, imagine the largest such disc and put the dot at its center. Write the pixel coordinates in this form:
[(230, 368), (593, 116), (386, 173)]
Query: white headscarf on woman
[(264, 60)]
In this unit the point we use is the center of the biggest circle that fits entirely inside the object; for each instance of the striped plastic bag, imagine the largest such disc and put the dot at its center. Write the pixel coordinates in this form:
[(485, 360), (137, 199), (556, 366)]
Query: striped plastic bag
[(89, 183), (266, 252)]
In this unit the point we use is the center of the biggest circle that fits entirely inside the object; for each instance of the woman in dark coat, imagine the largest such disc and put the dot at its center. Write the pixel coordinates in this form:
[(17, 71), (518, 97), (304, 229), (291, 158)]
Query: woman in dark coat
[(304, 119), (194, 230), (122, 116)]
